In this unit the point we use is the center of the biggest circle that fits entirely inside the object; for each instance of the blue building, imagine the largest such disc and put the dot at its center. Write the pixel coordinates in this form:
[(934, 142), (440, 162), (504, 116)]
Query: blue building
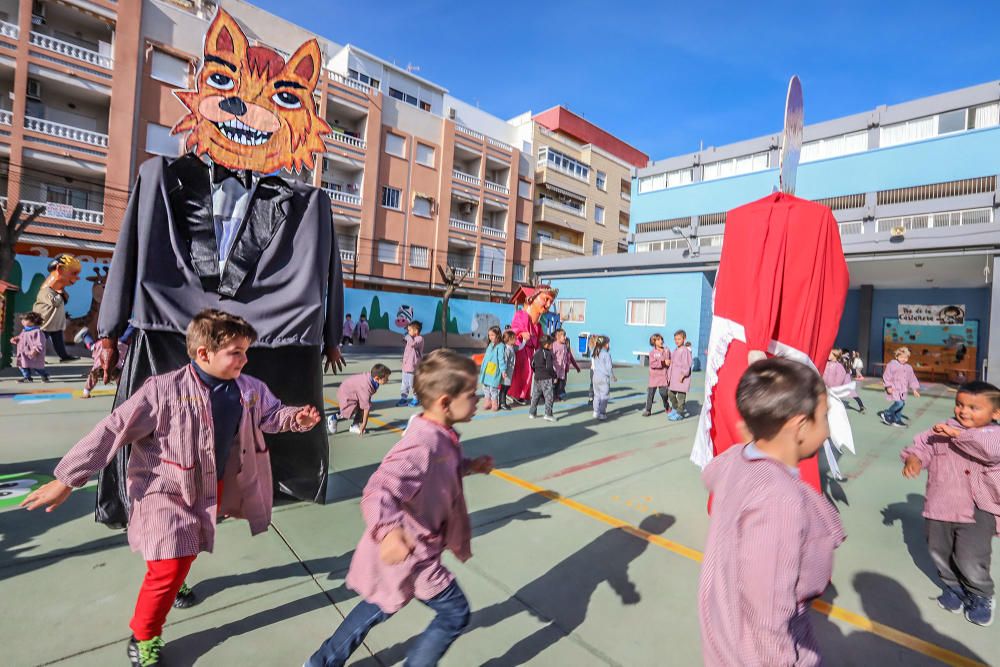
[(914, 189)]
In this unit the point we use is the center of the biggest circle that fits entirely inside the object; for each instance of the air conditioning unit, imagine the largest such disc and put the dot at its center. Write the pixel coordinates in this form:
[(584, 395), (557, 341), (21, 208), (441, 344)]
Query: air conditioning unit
[(465, 208), (34, 89), (37, 12), (452, 113)]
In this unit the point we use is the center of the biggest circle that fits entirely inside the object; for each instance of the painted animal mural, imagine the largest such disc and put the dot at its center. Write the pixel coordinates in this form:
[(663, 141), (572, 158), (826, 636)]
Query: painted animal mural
[(481, 323), (89, 319), (404, 316)]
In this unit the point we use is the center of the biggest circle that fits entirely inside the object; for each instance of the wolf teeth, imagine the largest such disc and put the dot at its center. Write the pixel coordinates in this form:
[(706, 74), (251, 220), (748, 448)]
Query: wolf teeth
[(241, 133)]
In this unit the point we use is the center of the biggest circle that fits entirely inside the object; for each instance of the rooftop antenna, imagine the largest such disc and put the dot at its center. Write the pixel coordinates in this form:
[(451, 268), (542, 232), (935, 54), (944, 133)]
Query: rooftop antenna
[(411, 68), (791, 139)]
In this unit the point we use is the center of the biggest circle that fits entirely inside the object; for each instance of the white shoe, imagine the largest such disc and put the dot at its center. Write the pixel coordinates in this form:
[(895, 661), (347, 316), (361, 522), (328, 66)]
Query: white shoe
[(595, 415), (86, 393), (531, 416), (602, 418), (331, 424), (549, 418), (80, 335), (356, 429)]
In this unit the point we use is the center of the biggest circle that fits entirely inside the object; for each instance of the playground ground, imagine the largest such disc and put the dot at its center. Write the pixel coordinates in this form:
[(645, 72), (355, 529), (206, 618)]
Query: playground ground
[(586, 547)]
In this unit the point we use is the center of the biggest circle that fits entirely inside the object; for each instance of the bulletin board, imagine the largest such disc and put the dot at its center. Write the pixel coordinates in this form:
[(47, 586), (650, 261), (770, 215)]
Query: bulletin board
[(939, 352)]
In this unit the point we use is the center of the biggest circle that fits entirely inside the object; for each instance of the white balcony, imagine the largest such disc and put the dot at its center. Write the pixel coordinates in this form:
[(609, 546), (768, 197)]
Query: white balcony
[(6, 117), (347, 256), (462, 224), (496, 187), (352, 83), (9, 30), (345, 197), (341, 138), (465, 178), (627, 196), (66, 131), (64, 212), (499, 144), (566, 208), (561, 245), (490, 277), (849, 228), (472, 133), (70, 50), (495, 233)]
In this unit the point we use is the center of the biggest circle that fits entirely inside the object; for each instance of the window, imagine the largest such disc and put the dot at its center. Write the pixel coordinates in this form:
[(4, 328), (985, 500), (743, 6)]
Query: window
[(395, 145), (425, 106), (524, 189), (987, 115), (425, 154), (418, 257), (388, 252), (563, 163), (598, 247), (646, 312), (670, 179), (844, 144), (363, 78), (492, 260), (159, 141), (602, 181), (390, 197), (599, 215), (422, 206), (169, 69), (919, 129), (519, 272), (71, 197), (405, 97), (521, 232), (745, 164), (572, 310)]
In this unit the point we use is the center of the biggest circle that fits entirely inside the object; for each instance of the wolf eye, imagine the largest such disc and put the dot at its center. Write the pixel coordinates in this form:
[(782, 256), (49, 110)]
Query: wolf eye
[(220, 81), (285, 99)]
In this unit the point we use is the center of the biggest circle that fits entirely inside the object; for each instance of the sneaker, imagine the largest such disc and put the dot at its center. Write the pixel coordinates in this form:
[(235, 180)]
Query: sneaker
[(645, 413), (331, 424), (414, 402), (595, 415), (505, 407), (185, 597), (401, 403), (898, 424), (549, 418), (531, 416), (952, 600), (80, 335), (145, 653), (356, 429), (24, 380), (45, 378), (885, 420), (71, 358), (86, 393), (674, 417), (602, 418), (979, 610)]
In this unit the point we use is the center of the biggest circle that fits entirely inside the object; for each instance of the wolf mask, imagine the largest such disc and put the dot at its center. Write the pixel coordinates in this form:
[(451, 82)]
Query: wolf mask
[(250, 109)]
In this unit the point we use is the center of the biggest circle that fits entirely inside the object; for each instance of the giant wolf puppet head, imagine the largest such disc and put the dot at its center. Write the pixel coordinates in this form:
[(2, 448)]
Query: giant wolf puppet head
[(250, 109)]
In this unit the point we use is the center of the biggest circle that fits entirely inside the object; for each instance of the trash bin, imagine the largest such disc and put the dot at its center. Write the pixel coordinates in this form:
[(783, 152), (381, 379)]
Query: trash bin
[(581, 342)]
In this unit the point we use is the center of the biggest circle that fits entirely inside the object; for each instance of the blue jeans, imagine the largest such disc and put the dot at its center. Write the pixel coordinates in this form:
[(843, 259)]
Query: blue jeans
[(26, 373), (894, 414), (452, 616)]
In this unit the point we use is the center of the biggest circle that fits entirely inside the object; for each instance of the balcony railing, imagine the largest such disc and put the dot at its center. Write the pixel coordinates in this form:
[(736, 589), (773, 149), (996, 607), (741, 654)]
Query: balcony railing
[(972, 216), (352, 83), (6, 117), (460, 267), (623, 228), (472, 133), (462, 224), (488, 277), (848, 228), (9, 30), (69, 50), (562, 245), (64, 212), (556, 204), (500, 144), (66, 131), (494, 232), (340, 137), (496, 187), (347, 198), (467, 178), (347, 256), (627, 196)]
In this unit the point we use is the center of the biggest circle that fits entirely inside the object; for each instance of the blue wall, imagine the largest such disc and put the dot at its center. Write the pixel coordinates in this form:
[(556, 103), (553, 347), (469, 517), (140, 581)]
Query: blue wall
[(687, 295), (885, 302), (948, 158)]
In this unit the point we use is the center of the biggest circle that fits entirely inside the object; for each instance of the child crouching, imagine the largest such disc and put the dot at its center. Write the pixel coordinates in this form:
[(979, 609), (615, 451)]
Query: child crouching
[(771, 539), (198, 452), (962, 458), (414, 508), (354, 397)]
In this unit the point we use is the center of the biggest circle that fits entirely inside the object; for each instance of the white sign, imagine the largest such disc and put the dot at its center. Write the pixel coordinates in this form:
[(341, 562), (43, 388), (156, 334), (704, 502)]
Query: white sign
[(64, 211), (937, 315)]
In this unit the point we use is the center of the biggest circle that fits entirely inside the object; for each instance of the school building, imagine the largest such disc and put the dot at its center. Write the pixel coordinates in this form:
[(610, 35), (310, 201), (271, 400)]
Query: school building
[(913, 187)]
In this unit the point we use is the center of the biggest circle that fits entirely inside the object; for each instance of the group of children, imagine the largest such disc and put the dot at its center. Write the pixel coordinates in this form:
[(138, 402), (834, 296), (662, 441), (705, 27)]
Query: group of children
[(350, 330), (844, 369), (669, 375)]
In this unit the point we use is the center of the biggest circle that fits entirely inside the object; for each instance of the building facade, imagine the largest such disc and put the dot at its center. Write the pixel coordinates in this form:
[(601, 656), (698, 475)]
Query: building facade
[(913, 187)]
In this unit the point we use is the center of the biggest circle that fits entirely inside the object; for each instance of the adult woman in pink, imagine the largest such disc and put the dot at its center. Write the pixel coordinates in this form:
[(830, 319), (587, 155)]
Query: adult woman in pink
[(526, 324)]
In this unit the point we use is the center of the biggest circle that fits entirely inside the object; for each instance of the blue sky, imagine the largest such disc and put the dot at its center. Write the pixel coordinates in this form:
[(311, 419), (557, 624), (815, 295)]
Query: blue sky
[(672, 74)]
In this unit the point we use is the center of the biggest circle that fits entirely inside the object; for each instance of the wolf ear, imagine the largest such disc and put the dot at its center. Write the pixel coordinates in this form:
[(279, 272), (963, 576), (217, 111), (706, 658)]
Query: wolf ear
[(305, 63), (225, 38)]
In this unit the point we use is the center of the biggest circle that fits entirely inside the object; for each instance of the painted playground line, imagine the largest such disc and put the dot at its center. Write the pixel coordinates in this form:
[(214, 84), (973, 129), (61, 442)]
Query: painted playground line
[(859, 621)]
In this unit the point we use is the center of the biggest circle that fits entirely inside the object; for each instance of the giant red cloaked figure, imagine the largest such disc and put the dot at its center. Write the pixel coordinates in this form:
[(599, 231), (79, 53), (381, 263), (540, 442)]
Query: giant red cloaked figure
[(780, 289)]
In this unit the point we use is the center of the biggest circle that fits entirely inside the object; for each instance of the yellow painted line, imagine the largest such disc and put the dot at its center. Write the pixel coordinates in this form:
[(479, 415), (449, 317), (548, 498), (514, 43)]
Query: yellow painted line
[(833, 611)]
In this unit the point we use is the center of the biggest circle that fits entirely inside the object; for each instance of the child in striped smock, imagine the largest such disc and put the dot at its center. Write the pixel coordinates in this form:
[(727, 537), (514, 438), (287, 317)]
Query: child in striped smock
[(898, 379)]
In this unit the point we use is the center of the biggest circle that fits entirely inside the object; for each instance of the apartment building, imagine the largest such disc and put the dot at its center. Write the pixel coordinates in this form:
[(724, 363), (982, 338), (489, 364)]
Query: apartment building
[(582, 181)]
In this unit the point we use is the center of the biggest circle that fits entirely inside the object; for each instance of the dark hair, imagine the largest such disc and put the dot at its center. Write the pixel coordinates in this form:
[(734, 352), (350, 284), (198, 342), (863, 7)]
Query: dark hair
[(599, 344), (681, 332), (348, 315), (443, 373), (980, 388), (214, 329), (655, 337), (381, 371), (416, 323), (509, 335), (544, 340), (772, 391), (496, 331), (363, 316), (33, 318), (558, 331)]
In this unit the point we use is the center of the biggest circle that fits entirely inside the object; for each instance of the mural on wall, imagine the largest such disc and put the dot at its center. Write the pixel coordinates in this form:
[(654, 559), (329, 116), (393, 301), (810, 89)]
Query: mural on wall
[(29, 273), (941, 351), (389, 313)]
